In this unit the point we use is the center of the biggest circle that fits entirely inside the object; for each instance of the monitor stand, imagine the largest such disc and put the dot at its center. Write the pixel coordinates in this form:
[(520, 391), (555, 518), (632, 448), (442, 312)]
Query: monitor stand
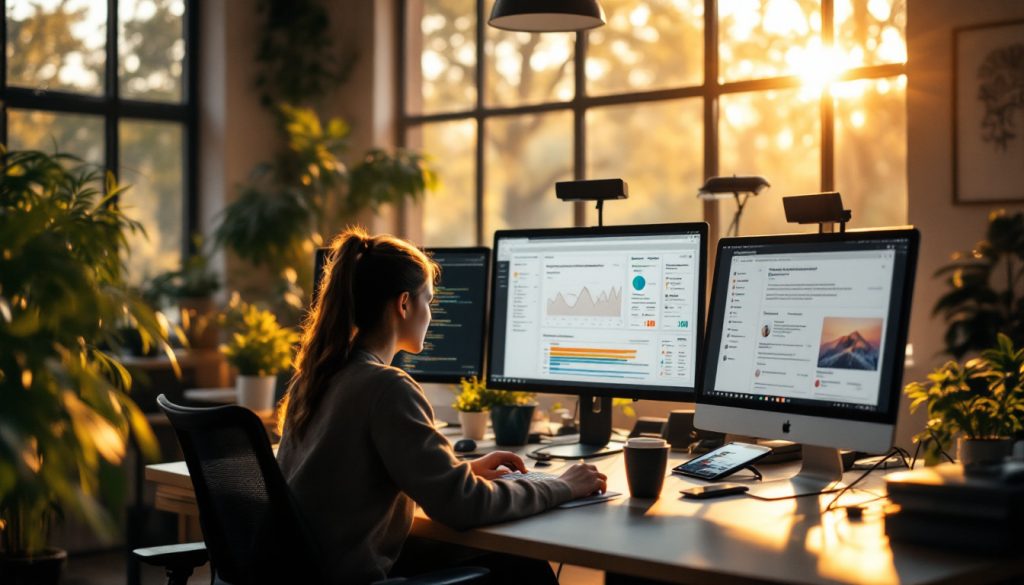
[(595, 432), (821, 472)]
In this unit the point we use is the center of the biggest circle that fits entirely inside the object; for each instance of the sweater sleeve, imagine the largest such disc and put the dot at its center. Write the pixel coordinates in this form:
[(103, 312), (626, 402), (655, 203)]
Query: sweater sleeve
[(422, 464)]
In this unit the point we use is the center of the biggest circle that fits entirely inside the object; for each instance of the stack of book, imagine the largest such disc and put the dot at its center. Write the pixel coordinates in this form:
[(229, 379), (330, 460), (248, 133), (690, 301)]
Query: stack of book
[(943, 506)]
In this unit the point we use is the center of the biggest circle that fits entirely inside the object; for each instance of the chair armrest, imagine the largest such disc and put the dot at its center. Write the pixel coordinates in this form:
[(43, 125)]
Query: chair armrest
[(174, 556), (454, 576)]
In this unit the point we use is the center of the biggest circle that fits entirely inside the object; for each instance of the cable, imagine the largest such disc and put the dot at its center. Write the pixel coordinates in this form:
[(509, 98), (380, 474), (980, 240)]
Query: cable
[(859, 479), (938, 443), (558, 574)]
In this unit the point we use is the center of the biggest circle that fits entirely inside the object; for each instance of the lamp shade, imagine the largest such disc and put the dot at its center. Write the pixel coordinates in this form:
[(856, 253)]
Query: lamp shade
[(546, 15)]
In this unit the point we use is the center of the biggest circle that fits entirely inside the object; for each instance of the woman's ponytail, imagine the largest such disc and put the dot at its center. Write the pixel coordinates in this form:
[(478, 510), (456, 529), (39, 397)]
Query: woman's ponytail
[(360, 276)]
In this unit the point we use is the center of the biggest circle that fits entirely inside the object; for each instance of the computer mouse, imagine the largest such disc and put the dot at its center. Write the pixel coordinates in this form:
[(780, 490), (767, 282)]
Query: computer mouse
[(465, 446)]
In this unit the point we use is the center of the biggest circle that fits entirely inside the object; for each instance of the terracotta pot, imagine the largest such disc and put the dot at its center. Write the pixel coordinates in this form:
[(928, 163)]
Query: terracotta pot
[(256, 392), (199, 321), (978, 452), (474, 424), (45, 568)]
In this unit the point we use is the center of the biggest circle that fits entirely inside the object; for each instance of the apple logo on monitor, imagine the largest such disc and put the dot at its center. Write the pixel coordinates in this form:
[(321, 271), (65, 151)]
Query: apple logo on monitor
[(785, 427)]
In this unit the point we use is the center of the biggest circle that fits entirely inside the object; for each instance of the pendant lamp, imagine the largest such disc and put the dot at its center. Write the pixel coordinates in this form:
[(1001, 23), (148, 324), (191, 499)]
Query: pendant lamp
[(546, 15)]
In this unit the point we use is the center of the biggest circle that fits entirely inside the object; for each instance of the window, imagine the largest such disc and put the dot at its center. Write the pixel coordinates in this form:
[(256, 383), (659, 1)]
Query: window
[(808, 93), (111, 82)]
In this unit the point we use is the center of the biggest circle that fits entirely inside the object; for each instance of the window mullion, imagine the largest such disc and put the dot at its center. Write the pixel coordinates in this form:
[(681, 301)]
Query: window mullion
[(190, 198), (711, 94), (827, 105), (579, 134), (110, 93), (481, 134)]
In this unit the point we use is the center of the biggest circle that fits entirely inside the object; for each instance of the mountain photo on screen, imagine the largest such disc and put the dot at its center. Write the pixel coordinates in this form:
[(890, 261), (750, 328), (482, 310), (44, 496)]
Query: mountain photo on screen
[(850, 343)]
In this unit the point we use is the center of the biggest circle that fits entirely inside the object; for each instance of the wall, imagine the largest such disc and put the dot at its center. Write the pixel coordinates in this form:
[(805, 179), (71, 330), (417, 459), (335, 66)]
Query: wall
[(944, 227)]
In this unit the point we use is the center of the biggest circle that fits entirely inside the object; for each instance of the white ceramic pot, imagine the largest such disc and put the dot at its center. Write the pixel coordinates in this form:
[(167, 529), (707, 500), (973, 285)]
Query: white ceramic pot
[(256, 392), (474, 424)]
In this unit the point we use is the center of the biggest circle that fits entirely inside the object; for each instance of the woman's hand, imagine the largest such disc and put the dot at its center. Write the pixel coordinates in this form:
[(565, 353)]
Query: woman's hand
[(487, 466), (584, 479)]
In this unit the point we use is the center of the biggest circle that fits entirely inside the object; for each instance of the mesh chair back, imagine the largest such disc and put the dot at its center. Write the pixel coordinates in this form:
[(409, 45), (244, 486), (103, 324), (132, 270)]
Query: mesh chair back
[(251, 526)]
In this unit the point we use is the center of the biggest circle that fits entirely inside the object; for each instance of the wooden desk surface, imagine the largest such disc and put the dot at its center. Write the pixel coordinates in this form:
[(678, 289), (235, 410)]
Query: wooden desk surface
[(736, 539)]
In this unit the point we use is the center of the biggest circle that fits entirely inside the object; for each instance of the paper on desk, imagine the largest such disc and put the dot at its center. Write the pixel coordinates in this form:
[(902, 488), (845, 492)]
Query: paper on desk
[(594, 499)]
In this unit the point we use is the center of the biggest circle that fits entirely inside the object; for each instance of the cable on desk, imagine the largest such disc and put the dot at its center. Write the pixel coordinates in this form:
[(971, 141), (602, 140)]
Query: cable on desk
[(894, 451), (558, 574), (938, 443)]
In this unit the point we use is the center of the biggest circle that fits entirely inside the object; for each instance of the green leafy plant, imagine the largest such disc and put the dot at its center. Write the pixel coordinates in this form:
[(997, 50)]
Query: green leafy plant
[(259, 345), (469, 397), (985, 296), (65, 412), (195, 279), (307, 191), (981, 399)]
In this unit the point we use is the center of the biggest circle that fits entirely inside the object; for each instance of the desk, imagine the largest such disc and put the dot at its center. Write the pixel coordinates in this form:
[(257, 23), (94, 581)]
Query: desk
[(733, 540)]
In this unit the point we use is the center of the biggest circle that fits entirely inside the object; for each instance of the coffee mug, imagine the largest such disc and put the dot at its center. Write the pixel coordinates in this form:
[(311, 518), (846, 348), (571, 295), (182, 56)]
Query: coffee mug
[(646, 461)]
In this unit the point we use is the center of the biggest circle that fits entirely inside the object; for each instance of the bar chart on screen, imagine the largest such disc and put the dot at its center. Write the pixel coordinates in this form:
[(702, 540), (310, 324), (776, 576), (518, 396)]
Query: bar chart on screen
[(595, 362)]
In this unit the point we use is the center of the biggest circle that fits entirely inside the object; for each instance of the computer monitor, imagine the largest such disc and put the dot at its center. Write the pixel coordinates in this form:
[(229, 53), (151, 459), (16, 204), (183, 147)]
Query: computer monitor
[(453, 347), (600, 312), (805, 342)]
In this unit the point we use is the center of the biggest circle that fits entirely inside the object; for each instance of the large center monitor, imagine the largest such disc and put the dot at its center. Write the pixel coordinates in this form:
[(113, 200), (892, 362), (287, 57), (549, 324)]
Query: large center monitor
[(599, 312), (453, 347), (805, 342)]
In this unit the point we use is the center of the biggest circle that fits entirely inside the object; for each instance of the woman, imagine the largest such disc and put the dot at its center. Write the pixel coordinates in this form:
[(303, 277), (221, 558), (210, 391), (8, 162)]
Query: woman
[(359, 447)]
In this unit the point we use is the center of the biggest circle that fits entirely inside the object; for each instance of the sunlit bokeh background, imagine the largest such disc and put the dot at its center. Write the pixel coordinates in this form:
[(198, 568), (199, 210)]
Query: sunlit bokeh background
[(60, 46), (779, 79)]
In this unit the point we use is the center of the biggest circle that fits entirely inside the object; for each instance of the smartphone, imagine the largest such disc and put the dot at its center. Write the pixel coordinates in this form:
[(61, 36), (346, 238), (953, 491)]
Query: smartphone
[(723, 461), (715, 490)]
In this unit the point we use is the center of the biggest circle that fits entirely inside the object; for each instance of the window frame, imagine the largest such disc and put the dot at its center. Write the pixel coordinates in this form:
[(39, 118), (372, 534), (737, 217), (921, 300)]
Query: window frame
[(711, 91), (114, 109)]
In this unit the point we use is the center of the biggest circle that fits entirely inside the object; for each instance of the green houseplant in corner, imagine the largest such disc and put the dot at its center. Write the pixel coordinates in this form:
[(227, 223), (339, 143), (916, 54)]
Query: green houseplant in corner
[(985, 297), (980, 404), (65, 413), (259, 348)]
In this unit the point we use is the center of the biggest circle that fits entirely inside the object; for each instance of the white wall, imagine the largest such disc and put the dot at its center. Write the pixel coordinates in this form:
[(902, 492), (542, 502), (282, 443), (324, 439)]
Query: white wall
[(945, 227)]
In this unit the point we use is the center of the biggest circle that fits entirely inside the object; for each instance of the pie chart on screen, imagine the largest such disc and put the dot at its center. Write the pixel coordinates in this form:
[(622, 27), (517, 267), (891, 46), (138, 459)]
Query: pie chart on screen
[(639, 283)]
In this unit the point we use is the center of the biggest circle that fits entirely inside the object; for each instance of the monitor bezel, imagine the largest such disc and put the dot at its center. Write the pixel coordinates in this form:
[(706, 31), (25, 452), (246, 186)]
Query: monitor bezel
[(668, 394), (887, 417), (437, 378)]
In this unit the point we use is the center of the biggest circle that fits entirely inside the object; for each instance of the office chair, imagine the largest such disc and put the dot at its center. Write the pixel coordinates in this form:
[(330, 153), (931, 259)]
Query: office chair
[(253, 531)]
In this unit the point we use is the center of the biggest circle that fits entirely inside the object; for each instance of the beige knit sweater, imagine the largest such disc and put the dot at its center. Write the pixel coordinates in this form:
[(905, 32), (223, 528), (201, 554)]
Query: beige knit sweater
[(369, 453)]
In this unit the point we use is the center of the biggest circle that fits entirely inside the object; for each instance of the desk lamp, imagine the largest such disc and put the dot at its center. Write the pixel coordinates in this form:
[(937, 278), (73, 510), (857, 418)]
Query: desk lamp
[(546, 15), (739, 188)]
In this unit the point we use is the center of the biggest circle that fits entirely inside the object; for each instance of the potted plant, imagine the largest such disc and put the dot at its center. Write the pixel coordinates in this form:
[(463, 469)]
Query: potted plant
[(259, 348), (65, 412), (983, 298), (310, 187), (979, 403), (511, 414), (191, 289), (473, 413)]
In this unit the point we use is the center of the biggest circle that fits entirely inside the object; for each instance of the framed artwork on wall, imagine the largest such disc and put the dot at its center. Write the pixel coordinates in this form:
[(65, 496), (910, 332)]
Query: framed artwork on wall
[(988, 113)]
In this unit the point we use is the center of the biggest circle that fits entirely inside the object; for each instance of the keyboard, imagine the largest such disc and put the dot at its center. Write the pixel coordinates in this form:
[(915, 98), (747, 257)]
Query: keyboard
[(531, 476)]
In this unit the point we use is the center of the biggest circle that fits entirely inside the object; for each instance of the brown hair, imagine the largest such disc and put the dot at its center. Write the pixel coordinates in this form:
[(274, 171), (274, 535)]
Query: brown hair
[(362, 274)]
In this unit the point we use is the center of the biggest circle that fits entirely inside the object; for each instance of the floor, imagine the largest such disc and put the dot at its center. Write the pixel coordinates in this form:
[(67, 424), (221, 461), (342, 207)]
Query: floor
[(108, 568)]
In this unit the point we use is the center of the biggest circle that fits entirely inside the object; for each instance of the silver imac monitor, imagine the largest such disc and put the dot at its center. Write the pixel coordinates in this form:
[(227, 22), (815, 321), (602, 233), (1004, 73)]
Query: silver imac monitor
[(598, 312), (805, 342)]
